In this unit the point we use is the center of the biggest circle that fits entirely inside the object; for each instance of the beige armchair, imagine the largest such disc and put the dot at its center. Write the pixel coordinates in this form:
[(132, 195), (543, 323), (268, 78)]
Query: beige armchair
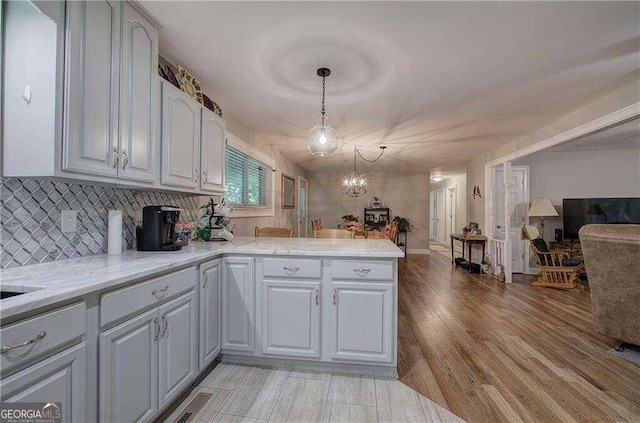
[(612, 259)]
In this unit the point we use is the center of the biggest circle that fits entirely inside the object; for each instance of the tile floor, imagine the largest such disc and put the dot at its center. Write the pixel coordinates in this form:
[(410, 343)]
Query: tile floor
[(241, 393)]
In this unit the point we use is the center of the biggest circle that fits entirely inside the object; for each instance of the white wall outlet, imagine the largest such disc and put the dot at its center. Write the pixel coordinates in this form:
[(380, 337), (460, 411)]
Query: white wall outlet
[(69, 221)]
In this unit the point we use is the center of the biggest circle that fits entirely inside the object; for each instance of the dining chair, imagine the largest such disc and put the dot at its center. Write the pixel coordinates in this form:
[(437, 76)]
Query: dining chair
[(333, 233), (274, 232)]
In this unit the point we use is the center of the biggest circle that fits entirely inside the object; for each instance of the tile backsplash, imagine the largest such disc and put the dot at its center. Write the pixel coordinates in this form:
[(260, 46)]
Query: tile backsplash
[(30, 214)]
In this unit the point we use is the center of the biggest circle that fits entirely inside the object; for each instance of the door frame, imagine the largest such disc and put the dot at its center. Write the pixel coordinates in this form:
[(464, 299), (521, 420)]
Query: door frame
[(441, 238), (304, 224)]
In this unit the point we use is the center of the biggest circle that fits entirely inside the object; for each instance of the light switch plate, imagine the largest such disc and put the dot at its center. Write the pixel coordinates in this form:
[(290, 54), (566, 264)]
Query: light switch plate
[(69, 221)]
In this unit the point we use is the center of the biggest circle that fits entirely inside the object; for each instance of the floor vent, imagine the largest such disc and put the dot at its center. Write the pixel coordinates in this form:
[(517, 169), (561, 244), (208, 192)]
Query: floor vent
[(192, 409)]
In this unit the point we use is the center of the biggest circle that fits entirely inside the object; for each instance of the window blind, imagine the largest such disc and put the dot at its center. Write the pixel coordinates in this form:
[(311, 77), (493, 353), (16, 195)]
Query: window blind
[(248, 181)]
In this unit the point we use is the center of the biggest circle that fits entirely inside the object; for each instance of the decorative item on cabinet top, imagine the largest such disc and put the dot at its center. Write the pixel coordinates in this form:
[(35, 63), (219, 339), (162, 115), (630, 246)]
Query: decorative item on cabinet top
[(190, 84)]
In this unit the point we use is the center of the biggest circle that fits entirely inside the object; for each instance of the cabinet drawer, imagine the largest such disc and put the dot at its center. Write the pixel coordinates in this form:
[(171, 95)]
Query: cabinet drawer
[(118, 304), (366, 270), (48, 330), (292, 268)]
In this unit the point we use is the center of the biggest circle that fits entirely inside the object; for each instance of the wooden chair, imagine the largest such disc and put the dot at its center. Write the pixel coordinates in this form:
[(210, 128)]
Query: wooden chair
[(557, 269), (376, 235), (274, 232), (333, 233), (392, 232), (316, 224)]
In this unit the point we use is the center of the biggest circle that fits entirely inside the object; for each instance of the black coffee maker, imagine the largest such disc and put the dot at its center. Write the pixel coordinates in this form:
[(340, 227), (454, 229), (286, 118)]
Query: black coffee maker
[(157, 230)]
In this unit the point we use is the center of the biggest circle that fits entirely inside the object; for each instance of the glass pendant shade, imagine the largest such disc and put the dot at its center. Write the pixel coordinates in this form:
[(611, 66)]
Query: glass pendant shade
[(322, 140)]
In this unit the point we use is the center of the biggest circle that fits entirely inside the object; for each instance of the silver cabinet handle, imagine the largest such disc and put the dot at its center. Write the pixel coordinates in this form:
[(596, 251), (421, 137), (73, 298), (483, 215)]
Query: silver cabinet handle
[(165, 325), (335, 297), (206, 177), (125, 160), (206, 280), (290, 269), (317, 296), (157, 327), (26, 94), (361, 270), (160, 292), (197, 175), (38, 337), (116, 158)]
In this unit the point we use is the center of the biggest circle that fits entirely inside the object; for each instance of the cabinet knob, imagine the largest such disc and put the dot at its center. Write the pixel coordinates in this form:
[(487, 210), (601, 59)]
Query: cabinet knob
[(160, 292), (157, 327), (165, 325), (290, 269), (197, 175), (317, 296), (206, 177), (125, 160), (335, 297), (116, 157), (26, 94)]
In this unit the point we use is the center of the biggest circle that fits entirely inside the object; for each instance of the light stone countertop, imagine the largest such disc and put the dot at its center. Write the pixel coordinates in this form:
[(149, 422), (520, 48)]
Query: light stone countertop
[(49, 283)]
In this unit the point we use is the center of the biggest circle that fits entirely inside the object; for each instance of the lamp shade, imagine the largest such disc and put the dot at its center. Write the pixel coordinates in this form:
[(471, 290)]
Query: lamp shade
[(542, 207)]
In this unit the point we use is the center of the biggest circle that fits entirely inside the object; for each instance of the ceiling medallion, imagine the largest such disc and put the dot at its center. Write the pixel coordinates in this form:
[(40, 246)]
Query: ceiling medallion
[(354, 183), (322, 139)]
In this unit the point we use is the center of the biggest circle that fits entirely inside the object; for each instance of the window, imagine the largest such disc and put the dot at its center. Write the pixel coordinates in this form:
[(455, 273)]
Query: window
[(249, 186)]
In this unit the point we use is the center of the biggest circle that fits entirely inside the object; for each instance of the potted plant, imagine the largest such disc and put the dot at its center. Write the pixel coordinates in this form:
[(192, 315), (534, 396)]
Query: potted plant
[(349, 218), (404, 224)]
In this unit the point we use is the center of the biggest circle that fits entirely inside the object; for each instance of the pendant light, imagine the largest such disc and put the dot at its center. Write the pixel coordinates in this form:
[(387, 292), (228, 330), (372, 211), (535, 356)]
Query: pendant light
[(354, 183), (322, 139)]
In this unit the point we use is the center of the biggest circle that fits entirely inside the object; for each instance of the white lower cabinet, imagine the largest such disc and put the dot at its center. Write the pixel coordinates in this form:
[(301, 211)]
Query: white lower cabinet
[(178, 353), (147, 360), (210, 290), (362, 321), (291, 318), (61, 378), (238, 293)]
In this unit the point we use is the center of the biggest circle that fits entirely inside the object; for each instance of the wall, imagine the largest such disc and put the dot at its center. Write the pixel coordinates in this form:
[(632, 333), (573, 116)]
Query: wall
[(31, 215), (619, 99), (581, 174), (406, 194)]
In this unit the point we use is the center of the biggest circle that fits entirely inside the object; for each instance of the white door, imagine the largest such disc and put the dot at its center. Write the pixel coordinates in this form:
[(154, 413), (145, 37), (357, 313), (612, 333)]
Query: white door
[(291, 318), (178, 347), (362, 321), (303, 204), (432, 213), (441, 216), (238, 303), (91, 93), (180, 138), (518, 204), (209, 312), (138, 97), (450, 211), (61, 379), (129, 370), (213, 150)]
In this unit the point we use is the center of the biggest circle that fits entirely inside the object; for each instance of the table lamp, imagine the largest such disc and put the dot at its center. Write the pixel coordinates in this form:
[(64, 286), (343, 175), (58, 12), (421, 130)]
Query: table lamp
[(542, 207)]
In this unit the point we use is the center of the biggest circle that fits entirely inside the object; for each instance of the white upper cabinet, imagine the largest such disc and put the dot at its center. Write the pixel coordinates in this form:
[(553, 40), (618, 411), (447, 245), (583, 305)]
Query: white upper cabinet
[(213, 149), (92, 83), (138, 119), (180, 138)]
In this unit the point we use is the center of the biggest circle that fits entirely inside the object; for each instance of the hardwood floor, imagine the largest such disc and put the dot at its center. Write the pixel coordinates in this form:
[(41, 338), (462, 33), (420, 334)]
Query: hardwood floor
[(494, 352)]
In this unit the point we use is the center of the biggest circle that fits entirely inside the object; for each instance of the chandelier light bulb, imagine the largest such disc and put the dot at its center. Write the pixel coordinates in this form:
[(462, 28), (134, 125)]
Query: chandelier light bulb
[(322, 139)]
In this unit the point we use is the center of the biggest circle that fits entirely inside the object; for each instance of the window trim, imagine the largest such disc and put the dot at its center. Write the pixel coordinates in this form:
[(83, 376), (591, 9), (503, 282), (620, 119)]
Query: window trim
[(249, 150)]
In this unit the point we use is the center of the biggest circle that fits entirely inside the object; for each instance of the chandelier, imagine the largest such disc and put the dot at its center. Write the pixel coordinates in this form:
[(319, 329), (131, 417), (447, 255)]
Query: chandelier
[(322, 139), (354, 183)]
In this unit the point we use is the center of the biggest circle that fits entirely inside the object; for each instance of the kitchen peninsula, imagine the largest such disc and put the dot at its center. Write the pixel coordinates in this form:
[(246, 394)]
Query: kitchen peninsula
[(128, 334)]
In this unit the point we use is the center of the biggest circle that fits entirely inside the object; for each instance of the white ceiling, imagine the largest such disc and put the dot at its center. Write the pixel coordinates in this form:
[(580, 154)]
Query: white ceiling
[(437, 82)]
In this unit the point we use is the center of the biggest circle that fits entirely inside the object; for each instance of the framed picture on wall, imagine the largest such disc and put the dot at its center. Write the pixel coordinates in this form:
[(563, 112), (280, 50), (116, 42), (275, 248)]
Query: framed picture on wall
[(288, 192)]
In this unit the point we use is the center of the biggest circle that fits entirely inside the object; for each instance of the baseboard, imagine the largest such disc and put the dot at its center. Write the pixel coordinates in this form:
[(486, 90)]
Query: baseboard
[(418, 251)]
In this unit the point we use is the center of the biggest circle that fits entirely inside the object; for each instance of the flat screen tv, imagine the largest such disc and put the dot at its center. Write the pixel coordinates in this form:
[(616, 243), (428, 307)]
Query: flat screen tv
[(577, 212)]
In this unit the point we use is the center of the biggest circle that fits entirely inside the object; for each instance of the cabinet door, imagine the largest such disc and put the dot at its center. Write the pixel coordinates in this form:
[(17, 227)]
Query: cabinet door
[(210, 288), (238, 304), (213, 152), (61, 379), (91, 88), (178, 347), (129, 370), (138, 97), (291, 318), (362, 321), (180, 138)]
